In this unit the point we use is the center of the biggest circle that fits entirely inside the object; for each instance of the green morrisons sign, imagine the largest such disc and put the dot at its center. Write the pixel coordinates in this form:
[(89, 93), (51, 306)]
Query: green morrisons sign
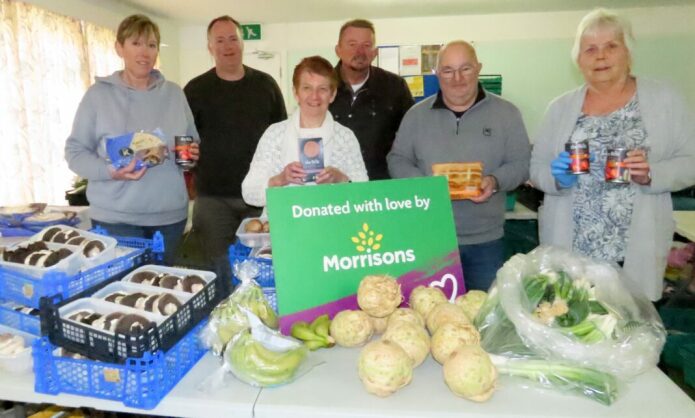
[(326, 238), (251, 32)]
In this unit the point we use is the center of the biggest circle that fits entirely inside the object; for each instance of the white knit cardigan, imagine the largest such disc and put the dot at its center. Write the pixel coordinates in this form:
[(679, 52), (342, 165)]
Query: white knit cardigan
[(279, 146)]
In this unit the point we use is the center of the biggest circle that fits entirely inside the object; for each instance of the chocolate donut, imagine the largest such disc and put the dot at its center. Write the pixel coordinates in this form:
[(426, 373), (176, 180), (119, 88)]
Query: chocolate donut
[(170, 281), (63, 253), (93, 248), (50, 233), (193, 283), (143, 276), (76, 240), (131, 324), (115, 297), (167, 304)]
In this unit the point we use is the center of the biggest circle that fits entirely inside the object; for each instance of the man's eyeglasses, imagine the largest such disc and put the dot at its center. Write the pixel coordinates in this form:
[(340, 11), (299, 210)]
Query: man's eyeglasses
[(449, 73)]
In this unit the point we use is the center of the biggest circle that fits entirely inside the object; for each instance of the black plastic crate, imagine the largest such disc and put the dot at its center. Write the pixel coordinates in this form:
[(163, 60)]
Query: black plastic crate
[(116, 348)]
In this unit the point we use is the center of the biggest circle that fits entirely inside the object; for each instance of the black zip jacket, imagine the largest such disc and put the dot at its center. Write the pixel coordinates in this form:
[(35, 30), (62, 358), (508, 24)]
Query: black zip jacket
[(374, 115)]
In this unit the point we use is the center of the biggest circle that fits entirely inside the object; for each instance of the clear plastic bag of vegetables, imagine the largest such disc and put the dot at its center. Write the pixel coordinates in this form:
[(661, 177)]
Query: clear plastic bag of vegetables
[(228, 318), (573, 319)]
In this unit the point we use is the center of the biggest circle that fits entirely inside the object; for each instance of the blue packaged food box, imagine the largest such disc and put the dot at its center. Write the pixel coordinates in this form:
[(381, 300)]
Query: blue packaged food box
[(148, 149)]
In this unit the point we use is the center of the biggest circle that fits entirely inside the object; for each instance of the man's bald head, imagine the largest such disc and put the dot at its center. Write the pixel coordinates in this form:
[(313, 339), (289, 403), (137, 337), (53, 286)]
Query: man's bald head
[(457, 45)]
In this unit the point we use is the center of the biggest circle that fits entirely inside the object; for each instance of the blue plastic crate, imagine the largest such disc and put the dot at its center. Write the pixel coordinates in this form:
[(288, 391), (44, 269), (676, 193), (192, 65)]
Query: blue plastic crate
[(239, 252), (27, 290), (139, 383), (31, 324), (271, 296)]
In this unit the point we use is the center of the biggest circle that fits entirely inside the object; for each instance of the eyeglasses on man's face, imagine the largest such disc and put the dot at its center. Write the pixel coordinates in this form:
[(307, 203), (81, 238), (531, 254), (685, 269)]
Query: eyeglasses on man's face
[(448, 73)]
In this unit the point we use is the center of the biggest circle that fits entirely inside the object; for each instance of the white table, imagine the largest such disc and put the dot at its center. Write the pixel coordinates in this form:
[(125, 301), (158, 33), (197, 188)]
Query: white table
[(184, 400), (685, 224), (333, 389)]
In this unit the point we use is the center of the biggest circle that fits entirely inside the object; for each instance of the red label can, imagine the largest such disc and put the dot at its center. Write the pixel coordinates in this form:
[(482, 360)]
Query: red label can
[(616, 171), (182, 151), (579, 153)]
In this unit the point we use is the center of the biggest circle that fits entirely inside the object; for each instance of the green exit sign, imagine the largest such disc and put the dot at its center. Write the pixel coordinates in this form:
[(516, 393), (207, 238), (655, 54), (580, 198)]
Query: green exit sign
[(251, 32)]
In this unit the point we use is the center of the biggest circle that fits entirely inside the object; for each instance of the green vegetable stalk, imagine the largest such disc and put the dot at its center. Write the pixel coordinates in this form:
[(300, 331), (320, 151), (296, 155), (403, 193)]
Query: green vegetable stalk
[(599, 386)]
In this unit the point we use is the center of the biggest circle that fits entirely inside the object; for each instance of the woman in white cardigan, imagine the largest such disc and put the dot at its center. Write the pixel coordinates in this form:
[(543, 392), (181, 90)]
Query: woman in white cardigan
[(276, 162), (628, 224)]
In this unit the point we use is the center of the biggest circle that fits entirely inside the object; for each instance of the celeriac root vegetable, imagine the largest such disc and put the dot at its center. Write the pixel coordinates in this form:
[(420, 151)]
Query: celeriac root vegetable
[(379, 295), (351, 328), (412, 338), (469, 373), (423, 299), (407, 315), (471, 302), (384, 367), (379, 324), (445, 313), (449, 337)]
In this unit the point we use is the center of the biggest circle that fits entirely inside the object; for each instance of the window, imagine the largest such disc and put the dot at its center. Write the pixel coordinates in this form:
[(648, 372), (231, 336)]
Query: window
[(47, 62)]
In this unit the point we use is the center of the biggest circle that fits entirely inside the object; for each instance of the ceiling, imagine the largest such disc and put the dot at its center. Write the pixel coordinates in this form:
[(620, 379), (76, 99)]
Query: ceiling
[(279, 11)]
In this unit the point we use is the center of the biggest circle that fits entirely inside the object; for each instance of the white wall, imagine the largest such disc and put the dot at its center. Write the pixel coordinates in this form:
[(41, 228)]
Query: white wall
[(530, 50), (110, 14)]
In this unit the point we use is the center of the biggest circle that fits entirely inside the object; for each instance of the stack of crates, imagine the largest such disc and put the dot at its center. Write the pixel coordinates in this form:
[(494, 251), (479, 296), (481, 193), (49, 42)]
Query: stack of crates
[(137, 382)]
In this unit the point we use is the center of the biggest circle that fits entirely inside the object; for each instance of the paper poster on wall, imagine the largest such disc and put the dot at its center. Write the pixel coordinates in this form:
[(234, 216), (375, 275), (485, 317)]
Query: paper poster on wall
[(416, 85), (410, 58), (327, 238), (429, 58), (387, 58)]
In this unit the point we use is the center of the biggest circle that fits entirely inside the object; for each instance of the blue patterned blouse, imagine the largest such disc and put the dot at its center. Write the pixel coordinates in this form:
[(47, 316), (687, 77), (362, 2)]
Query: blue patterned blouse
[(602, 211)]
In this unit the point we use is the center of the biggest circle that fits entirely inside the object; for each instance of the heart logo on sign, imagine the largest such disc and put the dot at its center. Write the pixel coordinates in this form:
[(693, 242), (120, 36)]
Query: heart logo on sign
[(442, 282)]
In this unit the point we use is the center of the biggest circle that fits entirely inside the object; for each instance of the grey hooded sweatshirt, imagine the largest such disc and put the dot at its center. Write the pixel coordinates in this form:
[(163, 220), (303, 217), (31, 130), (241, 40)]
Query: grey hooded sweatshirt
[(111, 108)]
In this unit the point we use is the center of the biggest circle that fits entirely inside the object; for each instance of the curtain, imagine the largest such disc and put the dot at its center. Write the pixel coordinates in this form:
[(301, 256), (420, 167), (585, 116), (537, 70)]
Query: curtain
[(47, 62)]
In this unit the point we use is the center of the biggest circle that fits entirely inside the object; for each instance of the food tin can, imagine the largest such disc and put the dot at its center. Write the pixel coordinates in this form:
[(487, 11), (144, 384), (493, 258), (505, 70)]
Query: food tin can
[(616, 171), (182, 151), (579, 153)]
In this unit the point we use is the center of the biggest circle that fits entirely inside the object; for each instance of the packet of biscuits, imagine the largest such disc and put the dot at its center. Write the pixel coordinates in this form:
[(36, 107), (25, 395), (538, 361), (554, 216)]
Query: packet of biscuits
[(147, 148), (464, 178)]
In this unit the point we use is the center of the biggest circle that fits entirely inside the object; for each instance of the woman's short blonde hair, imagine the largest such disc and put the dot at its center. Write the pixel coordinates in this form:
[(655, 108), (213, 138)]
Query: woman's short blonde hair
[(599, 19), (137, 25)]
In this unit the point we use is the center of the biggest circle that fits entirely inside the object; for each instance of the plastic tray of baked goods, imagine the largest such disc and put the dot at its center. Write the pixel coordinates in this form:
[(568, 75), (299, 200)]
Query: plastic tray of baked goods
[(138, 382), (25, 289), (20, 317), (15, 350), (151, 309), (254, 232), (58, 249)]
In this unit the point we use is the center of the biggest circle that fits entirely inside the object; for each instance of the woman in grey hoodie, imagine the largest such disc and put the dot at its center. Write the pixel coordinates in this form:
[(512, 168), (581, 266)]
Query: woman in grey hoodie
[(126, 201)]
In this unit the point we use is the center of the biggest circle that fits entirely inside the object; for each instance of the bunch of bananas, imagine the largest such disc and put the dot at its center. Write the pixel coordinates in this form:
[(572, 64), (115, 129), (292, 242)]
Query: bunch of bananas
[(255, 364), (228, 317), (314, 335)]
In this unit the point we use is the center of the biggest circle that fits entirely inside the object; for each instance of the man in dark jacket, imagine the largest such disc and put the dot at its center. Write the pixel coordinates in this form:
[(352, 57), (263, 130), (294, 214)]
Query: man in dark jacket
[(232, 105), (370, 101)]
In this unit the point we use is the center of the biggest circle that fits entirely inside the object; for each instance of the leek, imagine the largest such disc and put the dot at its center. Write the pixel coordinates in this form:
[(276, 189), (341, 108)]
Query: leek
[(594, 384)]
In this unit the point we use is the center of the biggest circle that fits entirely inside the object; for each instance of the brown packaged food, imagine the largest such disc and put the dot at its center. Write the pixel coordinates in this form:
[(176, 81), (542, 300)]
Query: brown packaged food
[(464, 178), (254, 225)]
